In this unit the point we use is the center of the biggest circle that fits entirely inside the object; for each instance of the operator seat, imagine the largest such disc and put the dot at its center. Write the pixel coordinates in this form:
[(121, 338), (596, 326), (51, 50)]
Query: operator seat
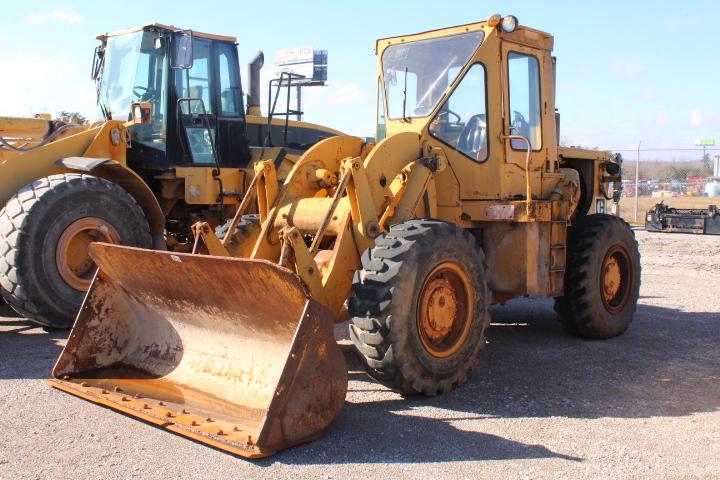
[(473, 139)]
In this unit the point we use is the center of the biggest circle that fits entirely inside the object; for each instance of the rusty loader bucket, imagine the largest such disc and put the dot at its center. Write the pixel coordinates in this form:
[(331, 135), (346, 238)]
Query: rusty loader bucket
[(230, 352)]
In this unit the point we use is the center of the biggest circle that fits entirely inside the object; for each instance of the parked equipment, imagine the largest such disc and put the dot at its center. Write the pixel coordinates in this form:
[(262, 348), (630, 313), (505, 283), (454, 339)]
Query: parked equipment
[(464, 201), (182, 158), (664, 218)]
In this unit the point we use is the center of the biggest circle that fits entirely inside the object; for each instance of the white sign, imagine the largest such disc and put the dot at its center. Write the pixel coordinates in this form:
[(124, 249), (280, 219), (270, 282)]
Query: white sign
[(291, 56), (304, 69)]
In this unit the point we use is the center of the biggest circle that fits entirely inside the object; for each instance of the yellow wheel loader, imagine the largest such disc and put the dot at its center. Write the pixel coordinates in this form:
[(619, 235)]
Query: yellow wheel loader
[(465, 200), (182, 157)]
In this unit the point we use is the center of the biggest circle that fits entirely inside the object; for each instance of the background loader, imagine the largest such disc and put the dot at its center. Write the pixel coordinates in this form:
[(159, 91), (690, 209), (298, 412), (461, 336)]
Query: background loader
[(465, 200), (184, 158)]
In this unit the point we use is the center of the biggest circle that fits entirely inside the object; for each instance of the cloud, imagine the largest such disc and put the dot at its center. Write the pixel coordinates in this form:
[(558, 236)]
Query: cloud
[(348, 94), (627, 69), (649, 94), (42, 84), (697, 119), (59, 16), (661, 118)]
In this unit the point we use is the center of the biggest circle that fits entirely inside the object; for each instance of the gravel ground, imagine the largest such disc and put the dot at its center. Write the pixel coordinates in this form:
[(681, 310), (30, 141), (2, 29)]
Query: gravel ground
[(542, 404)]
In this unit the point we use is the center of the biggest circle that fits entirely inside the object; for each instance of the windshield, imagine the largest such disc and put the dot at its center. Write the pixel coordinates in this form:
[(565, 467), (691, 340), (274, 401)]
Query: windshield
[(134, 71), (416, 74)]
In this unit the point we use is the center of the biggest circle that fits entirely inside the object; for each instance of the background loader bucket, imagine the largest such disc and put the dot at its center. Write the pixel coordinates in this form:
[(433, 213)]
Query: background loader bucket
[(230, 352)]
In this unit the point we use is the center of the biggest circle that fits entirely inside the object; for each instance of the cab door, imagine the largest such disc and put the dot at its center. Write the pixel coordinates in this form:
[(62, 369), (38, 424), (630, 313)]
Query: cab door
[(231, 136)]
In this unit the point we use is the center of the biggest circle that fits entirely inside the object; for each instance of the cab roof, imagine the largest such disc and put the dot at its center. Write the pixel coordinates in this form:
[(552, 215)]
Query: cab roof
[(171, 28), (525, 35)]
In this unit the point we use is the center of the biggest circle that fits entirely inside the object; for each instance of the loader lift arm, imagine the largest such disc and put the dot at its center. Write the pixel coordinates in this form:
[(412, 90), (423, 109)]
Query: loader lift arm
[(195, 363)]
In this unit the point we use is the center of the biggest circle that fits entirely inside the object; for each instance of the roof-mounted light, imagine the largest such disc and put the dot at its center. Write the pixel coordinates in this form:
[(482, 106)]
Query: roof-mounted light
[(494, 20), (509, 24)]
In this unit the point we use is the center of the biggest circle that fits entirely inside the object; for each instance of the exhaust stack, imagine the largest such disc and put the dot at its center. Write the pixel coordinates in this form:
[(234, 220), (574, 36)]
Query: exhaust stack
[(253, 73)]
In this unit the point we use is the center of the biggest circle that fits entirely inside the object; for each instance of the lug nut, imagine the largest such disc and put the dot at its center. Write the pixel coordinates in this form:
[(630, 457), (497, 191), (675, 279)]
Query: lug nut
[(117, 389), (220, 432), (184, 411), (208, 419), (194, 423), (84, 384)]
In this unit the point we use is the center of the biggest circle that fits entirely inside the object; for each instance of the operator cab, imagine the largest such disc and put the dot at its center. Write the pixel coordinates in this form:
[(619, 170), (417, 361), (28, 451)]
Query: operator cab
[(192, 82), (476, 90)]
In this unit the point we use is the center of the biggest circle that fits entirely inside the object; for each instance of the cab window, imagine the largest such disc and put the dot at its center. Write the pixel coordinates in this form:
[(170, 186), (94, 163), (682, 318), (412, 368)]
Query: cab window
[(229, 81), (195, 82), (381, 129), (462, 120), (524, 87)]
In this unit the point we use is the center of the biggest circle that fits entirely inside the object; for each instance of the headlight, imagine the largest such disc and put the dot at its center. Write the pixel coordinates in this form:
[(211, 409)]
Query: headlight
[(509, 24)]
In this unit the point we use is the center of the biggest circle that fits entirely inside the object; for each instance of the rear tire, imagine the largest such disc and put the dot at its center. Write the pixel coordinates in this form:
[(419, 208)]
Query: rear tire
[(602, 278), (419, 307), (61, 213)]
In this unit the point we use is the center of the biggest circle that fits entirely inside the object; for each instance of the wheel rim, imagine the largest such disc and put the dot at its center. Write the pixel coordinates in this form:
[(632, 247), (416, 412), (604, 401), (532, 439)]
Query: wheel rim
[(615, 279), (72, 255), (445, 310)]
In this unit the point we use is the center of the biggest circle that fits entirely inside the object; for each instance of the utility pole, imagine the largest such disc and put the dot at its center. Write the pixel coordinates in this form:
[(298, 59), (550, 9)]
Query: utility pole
[(637, 180)]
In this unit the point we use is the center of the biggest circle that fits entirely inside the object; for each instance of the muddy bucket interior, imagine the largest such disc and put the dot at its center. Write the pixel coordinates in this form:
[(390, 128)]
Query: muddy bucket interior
[(230, 352)]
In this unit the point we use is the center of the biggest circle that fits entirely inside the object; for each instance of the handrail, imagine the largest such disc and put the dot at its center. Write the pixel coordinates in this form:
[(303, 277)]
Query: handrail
[(528, 190)]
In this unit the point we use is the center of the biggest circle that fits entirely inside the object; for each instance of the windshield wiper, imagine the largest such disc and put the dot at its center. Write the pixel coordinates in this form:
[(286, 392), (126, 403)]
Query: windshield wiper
[(104, 110), (405, 118)]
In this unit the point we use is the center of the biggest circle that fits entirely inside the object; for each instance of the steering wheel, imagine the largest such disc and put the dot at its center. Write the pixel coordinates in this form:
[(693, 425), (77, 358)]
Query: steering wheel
[(144, 94), (448, 112), (473, 139)]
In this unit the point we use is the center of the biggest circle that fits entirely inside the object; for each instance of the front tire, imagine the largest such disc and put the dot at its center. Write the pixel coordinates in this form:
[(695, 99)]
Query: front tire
[(419, 307), (602, 278), (45, 230)]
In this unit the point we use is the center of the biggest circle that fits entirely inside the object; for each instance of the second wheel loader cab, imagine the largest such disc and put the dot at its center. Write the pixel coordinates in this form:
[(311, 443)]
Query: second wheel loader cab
[(192, 81)]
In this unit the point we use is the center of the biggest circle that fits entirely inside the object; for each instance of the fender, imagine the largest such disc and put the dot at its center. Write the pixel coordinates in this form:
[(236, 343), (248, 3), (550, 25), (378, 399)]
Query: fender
[(130, 181)]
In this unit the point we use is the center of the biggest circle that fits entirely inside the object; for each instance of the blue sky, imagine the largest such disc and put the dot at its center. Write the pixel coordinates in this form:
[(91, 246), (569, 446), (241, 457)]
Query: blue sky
[(627, 71)]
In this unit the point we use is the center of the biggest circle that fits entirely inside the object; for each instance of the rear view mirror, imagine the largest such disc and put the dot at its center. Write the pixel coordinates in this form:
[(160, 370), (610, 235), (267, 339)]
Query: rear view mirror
[(182, 55)]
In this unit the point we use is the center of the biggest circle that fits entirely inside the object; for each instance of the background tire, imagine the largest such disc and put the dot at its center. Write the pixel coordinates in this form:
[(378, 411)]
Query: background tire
[(38, 219), (388, 301), (243, 240), (246, 221), (594, 305)]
